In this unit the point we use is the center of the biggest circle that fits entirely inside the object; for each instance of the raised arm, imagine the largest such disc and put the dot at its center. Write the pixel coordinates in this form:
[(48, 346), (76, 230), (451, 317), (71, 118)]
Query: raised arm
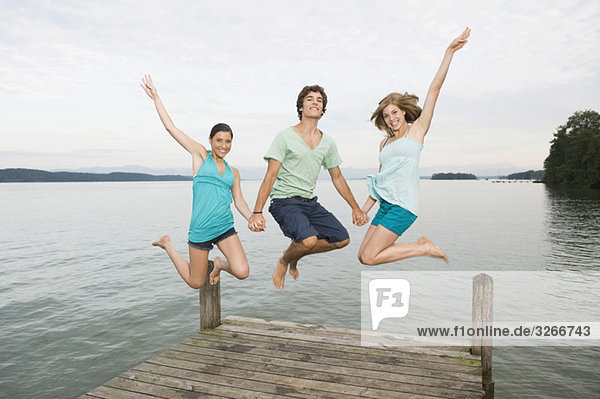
[(238, 198), (421, 125), (190, 145)]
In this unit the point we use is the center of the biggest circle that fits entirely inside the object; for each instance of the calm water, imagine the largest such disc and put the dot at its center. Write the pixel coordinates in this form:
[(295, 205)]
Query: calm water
[(84, 296)]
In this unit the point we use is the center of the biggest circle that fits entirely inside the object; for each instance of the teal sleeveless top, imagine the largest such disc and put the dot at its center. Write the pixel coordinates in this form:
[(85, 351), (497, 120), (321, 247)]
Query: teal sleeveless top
[(398, 181), (211, 204)]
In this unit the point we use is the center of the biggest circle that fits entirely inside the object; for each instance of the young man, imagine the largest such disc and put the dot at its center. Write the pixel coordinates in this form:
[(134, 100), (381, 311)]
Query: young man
[(295, 159)]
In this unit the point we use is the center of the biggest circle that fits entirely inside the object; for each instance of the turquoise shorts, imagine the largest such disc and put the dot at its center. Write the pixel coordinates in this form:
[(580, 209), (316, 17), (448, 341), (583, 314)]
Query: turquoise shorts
[(393, 217)]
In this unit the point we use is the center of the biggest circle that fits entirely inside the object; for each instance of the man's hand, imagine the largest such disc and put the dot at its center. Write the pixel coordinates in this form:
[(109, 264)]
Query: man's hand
[(257, 222), (359, 217)]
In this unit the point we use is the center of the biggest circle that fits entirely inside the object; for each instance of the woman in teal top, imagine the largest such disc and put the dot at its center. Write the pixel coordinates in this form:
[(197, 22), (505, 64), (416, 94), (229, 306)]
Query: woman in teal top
[(396, 186), (215, 186)]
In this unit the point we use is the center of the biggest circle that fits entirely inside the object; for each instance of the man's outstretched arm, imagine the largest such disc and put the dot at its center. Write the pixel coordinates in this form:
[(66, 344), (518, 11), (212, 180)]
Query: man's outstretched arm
[(257, 221), (358, 216)]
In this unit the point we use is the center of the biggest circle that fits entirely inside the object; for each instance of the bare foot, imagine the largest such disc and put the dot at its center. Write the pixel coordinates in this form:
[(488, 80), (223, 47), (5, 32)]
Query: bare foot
[(432, 249), (162, 242), (294, 269), (279, 273), (215, 275)]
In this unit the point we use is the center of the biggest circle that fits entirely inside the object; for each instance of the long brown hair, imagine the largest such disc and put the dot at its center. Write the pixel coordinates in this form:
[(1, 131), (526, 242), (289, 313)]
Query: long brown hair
[(406, 102)]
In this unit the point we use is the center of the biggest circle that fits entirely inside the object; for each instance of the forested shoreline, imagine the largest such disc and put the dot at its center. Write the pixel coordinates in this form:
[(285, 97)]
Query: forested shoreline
[(21, 175), (574, 159)]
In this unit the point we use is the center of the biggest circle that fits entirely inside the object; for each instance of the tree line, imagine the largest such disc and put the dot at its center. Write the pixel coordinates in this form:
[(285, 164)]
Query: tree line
[(574, 159), (20, 175), (453, 176), (528, 175)]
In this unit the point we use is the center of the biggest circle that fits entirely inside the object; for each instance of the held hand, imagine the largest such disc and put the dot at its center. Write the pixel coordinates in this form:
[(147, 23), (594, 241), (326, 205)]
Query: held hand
[(460, 41), (257, 222), (365, 219), (359, 217), (148, 87)]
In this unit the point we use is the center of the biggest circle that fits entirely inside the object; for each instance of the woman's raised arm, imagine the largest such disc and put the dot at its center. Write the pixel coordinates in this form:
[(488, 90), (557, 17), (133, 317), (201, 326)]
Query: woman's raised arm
[(191, 146), (421, 125)]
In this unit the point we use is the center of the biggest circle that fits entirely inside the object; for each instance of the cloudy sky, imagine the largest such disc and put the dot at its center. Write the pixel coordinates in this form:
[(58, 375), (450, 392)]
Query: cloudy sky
[(70, 72)]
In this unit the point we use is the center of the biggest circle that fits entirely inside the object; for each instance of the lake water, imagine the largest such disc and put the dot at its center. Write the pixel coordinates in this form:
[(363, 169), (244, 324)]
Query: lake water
[(84, 296)]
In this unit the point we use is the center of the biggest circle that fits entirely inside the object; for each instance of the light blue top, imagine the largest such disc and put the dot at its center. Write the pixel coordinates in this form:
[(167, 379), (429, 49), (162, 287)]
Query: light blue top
[(398, 181), (211, 205), (300, 164)]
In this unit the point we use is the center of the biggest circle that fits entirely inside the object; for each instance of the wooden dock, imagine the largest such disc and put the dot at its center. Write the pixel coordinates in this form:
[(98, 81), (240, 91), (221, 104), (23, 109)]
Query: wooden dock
[(253, 358)]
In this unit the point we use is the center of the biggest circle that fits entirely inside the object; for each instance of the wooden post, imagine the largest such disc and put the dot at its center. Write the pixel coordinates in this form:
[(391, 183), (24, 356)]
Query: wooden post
[(483, 316), (210, 302)]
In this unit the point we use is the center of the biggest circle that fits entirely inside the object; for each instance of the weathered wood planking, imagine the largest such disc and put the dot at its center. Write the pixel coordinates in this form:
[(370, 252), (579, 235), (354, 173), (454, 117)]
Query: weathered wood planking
[(261, 359)]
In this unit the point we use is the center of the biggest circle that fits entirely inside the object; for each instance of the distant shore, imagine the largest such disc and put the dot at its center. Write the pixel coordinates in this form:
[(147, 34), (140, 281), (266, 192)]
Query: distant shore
[(23, 175), (42, 176)]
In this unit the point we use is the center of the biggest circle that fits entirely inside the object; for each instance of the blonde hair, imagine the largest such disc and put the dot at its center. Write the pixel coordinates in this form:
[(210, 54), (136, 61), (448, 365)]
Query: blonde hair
[(406, 102)]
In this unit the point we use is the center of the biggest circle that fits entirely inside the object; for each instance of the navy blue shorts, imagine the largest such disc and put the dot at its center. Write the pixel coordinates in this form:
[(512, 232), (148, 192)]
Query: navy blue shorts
[(299, 220), (208, 245)]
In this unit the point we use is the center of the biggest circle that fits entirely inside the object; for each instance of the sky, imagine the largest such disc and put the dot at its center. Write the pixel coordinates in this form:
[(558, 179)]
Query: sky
[(70, 73)]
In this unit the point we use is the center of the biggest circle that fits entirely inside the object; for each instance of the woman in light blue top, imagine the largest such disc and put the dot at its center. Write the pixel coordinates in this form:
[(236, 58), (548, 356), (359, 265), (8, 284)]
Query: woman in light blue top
[(396, 186), (214, 187)]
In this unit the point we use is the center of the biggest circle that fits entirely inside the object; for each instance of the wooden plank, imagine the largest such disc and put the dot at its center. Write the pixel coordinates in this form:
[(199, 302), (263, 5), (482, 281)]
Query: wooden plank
[(128, 382), (223, 378), (363, 355), (296, 336), (323, 330), (288, 324), (293, 385), (200, 384), (325, 359), (107, 392), (351, 334), (260, 366)]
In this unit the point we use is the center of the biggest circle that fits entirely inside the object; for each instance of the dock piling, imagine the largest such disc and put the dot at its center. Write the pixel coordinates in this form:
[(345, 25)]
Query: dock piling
[(210, 302), (483, 315)]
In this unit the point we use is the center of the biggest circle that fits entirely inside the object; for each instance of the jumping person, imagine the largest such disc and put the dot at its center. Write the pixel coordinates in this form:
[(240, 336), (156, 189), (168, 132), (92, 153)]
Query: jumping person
[(294, 160), (396, 186), (215, 184)]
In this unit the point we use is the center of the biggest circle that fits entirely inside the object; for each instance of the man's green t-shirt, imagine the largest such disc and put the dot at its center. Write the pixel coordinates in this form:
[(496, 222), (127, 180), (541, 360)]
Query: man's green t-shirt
[(300, 165)]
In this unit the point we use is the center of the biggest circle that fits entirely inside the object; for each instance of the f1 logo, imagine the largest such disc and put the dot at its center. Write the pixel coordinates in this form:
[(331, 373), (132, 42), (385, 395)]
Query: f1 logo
[(388, 298)]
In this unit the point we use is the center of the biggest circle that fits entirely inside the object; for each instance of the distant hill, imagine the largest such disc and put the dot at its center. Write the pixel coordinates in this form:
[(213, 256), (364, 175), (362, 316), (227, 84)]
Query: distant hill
[(453, 176), (35, 176), (529, 175)]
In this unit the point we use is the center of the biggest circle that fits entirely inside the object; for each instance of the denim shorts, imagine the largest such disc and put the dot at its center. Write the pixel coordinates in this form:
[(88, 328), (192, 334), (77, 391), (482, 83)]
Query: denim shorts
[(299, 219), (208, 245), (393, 217)]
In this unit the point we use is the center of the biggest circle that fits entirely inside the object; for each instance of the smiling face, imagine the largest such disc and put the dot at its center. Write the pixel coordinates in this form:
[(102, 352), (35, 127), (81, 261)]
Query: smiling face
[(312, 106), (311, 102), (393, 117), (220, 143)]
